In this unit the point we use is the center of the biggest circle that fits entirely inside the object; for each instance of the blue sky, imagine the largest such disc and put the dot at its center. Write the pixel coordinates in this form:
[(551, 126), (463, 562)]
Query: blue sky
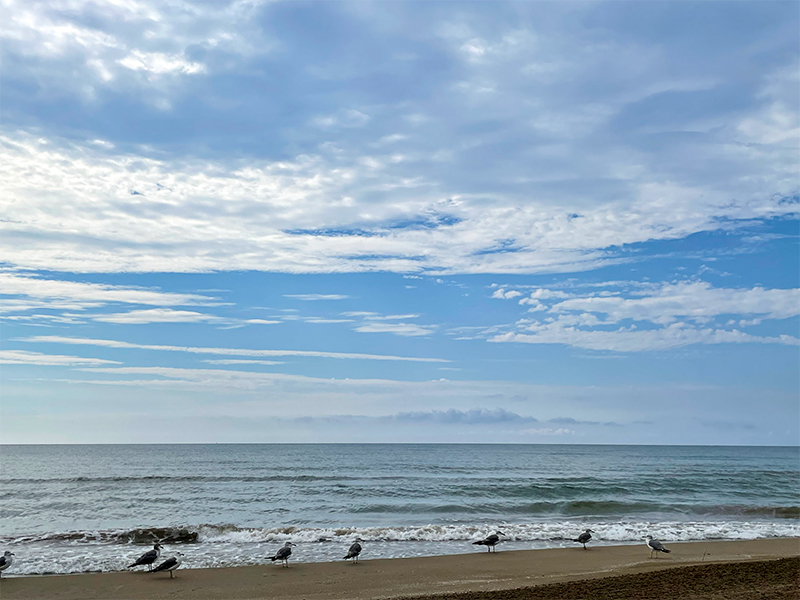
[(400, 221)]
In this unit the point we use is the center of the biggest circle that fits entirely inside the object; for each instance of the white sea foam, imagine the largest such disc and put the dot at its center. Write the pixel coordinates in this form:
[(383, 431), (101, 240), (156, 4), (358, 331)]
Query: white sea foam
[(621, 531), (228, 545)]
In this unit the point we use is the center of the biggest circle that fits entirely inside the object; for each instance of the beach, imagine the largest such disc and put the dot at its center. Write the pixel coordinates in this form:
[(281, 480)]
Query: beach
[(719, 569)]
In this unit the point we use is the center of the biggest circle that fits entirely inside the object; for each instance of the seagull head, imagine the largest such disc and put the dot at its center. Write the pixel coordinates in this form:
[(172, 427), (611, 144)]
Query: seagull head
[(590, 531), (157, 546), (289, 545), (358, 539), (8, 553), (499, 533)]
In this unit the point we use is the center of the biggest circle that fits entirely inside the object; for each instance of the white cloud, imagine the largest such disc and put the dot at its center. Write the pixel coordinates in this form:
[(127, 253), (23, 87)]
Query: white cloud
[(534, 304), (344, 118), (391, 139), (39, 292), (323, 321), (777, 121), (664, 316), (159, 63), (563, 197), (52, 339), (543, 294), (676, 335), (389, 317), (308, 297), (22, 357), (264, 217), (79, 53), (403, 329), (158, 315), (689, 300), (506, 295), (242, 361)]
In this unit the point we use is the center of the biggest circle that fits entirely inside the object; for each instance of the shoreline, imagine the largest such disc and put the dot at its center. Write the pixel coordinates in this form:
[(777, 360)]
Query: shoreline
[(398, 577)]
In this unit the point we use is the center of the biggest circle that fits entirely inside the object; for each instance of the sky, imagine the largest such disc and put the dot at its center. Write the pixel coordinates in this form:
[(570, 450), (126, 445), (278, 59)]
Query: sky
[(479, 222)]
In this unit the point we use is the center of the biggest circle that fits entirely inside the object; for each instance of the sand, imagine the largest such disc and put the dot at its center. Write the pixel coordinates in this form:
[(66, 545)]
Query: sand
[(731, 570)]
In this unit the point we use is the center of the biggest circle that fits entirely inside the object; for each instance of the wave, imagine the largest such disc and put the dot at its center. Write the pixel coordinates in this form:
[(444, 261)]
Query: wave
[(186, 478), (229, 545), (143, 535), (548, 531), (581, 508)]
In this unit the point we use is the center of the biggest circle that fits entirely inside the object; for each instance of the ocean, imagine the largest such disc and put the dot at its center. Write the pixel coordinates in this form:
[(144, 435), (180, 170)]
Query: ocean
[(76, 508)]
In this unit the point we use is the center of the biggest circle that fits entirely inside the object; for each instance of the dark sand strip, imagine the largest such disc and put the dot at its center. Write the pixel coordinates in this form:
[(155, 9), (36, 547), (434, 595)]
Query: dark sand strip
[(428, 577), (764, 580)]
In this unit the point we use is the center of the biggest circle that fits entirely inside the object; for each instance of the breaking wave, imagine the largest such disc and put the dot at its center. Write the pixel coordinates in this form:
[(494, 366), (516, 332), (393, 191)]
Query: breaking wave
[(626, 531)]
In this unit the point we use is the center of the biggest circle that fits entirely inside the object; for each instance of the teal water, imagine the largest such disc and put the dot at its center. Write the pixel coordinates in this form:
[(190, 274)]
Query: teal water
[(79, 507)]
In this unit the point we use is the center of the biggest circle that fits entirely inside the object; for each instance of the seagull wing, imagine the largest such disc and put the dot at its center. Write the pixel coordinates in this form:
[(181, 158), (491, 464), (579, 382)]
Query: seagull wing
[(355, 550), (147, 558)]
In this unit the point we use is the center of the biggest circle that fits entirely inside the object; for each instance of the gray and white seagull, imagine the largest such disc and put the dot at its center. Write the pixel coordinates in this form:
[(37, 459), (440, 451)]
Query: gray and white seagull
[(148, 558), (6, 561), (283, 554), (355, 550), (655, 545), (490, 541), (170, 564), (584, 537)]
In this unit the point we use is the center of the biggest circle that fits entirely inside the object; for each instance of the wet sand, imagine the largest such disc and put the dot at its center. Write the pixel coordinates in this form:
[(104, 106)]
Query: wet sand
[(693, 571)]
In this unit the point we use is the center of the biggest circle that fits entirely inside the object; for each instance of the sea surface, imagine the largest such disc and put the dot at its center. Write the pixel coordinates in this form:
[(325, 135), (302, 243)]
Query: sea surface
[(72, 508)]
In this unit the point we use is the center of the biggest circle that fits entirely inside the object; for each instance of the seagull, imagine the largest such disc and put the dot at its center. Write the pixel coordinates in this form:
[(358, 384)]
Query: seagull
[(5, 561), (655, 546), (584, 537), (355, 550), (490, 541), (149, 557), (283, 554), (170, 564)]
